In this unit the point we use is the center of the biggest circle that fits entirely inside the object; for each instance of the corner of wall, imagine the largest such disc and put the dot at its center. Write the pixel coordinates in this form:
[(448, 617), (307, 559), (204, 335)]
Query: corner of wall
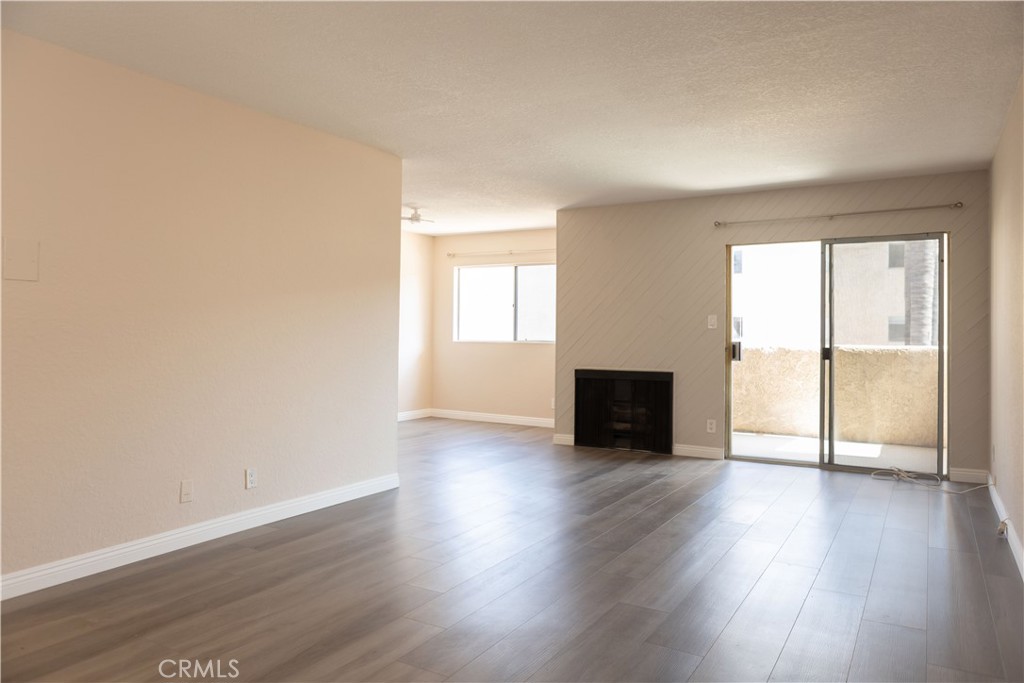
[(1007, 321)]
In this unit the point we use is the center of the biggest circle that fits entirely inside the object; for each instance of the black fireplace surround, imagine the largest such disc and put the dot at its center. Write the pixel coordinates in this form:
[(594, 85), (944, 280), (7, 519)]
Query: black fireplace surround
[(624, 409)]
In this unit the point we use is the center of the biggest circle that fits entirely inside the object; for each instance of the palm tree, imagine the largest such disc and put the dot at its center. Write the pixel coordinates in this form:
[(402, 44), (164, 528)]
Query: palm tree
[(920, 283)]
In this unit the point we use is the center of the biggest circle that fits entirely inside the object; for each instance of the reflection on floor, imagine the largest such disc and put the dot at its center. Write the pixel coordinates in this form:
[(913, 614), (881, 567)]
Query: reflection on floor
[(805, 449)]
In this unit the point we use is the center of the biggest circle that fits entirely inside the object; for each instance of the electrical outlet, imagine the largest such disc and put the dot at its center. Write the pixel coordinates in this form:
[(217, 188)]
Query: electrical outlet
[(250, 478), (185, 493), (712, 426), (552, 404)]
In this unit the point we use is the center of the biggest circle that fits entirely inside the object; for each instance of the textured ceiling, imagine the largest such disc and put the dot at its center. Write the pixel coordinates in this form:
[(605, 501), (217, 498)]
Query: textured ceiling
[(506, 112)]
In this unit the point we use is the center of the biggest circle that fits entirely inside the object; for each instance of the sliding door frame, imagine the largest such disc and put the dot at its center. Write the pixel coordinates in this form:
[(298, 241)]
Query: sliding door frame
[(728, 359), (827, 409)]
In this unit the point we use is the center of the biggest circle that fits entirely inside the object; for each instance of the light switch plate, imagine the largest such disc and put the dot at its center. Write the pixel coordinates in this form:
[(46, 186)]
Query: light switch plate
[(712, 322), (185, 494)]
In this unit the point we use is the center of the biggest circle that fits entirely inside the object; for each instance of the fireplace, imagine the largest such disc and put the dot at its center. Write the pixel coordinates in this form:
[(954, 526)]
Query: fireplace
[(624, 409)]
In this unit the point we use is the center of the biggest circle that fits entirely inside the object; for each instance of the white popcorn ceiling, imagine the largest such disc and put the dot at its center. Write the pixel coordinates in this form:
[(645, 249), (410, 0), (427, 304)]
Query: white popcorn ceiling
[(505, 112)]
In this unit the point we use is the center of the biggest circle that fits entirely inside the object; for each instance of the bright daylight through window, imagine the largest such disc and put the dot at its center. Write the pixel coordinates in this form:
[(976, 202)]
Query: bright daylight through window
[(505, 303)]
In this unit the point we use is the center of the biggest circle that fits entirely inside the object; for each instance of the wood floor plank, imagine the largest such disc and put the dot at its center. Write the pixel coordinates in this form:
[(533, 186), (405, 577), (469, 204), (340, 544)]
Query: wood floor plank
[(898, 593), (908, 509), (133, 660), (354, 659), (941, 674), (306, 600), (644, 556), (517, 656), (478, 536), (961, 633), (613, 494), (613, 650), (610, 516), (778, 522), (1006, 597), (888, 653), (400, 672), (872, 497), (465, 640), (655, 663), (703, 614), (820, 646), (810, 540), (752, 504), (850, 561), (714, 493), (669, 584), (107, 636), (465, 567), (271, 649), (751, 643), (21, 641), (454, 605), (630, 531), (949, 523)]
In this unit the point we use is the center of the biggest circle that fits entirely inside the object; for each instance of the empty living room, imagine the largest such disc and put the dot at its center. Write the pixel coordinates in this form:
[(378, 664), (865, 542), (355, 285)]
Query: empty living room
[(512, 341)]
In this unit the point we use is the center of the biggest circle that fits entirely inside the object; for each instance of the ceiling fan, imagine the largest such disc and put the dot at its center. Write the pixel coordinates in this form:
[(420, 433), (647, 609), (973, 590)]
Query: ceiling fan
[(415, 217)]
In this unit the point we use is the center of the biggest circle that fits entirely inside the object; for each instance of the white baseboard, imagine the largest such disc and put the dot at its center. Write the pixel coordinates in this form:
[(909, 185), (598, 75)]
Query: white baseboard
[(563, 439), (705, 452), (548, 422), (1011, 533), (415, 414), (69, 569), (968, 476)]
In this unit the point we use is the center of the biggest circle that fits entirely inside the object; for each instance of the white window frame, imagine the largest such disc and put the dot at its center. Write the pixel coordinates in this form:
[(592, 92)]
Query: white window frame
[(515, 303)]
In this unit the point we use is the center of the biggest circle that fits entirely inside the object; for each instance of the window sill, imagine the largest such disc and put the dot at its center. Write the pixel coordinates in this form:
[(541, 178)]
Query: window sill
[(473, 341)]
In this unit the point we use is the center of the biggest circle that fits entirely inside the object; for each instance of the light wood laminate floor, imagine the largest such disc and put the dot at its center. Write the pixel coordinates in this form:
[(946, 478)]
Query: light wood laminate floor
[(506, 558)]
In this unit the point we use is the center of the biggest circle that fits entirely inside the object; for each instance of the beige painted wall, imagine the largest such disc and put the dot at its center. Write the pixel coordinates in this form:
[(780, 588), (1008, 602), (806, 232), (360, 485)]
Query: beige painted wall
[(415, 338), (498, 378), (218, 289), (637, 282), (1008, 315)]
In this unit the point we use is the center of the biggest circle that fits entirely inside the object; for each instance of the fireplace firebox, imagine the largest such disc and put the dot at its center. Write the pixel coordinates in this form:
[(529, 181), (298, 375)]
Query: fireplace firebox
[(624, 409)]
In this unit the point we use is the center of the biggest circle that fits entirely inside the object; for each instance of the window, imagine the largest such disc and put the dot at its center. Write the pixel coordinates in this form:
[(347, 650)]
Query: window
[(505, 303), (897, 329), (896, 254), (737, 261), (737, 327)]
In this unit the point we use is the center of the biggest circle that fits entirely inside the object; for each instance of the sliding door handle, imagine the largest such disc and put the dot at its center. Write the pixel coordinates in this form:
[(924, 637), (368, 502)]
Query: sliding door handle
[(737, 350), (826, 353)]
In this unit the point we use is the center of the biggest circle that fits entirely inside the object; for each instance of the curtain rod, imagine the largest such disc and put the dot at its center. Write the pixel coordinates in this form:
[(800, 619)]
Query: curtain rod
[(830, 216), (510, 252)]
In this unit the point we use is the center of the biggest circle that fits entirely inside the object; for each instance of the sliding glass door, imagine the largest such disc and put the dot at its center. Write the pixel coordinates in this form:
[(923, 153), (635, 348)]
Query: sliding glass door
[(838, 352), (775, 310), (883, 359)]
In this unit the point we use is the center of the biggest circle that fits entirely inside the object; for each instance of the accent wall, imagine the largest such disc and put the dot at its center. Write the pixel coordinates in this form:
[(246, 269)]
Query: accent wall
[(637, 282)]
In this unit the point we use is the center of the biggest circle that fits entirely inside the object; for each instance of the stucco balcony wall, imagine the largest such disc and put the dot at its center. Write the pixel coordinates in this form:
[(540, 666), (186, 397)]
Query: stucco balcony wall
[(884, 394)]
